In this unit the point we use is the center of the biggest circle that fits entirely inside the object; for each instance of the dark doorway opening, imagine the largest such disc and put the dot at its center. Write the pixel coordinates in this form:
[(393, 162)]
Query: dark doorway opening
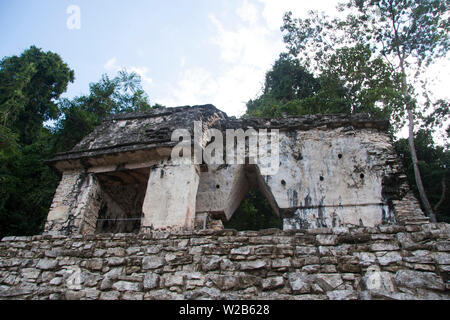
[(254, 213), (122, 194)]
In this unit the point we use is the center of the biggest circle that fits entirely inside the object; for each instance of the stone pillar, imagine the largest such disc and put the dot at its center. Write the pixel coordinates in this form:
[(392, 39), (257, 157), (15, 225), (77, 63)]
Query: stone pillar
[(75, 206), (170, 197)]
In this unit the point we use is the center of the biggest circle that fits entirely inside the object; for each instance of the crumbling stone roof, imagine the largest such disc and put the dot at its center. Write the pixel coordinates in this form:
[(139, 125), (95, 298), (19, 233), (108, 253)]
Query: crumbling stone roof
[(308, 122), (150, 129), (139, 131)]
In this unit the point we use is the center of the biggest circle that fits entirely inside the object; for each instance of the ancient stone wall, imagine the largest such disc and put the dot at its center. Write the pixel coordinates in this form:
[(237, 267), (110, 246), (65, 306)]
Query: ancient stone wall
[(334, 177), (387, 262), (75, 205), (327, 171)]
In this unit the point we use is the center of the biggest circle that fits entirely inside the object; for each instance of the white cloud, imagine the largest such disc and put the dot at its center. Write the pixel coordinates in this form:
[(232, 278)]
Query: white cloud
[(247, 51), (274, 10), (248, 12), (249, 44), (182, 62), (142, 72), (112, 66), (229, 91), (194, 87)]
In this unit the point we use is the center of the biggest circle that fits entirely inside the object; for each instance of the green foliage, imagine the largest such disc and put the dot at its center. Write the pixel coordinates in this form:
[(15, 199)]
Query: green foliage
[(351, 81), (30, 89), (406, 35), (81, 115), (437, 119), (417, 29), (30, 84), (27, 186), (289, 89), (254, 213), (288, 80), (434, 163), (370, 85)]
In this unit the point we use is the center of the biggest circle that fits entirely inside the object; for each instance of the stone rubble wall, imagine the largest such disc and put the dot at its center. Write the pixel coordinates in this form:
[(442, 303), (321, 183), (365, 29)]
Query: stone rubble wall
[(75, 204), (386, 262)]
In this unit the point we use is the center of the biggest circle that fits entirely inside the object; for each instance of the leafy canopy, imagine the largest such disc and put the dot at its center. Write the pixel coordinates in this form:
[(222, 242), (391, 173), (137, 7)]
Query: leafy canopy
[(30, 85), (81, 115), (30, 89)]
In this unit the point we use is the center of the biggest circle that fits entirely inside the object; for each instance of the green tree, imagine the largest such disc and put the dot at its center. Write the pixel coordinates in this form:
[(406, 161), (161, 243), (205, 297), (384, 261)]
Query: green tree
[(27, 186), (288, 80), (434, 166), (370, 86), (30, 89), (254, 213), (81, 115), (407, 34), (30, 85), (350, 81), (290, 89)]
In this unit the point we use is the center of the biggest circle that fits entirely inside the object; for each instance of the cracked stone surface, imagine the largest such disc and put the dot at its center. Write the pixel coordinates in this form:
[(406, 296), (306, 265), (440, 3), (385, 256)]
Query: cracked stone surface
[(334, 171), (226, 264)]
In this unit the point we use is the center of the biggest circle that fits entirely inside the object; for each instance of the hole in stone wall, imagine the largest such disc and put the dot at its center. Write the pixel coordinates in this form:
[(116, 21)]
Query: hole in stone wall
[(340, 156), (283, 182), (321, 178), (217, 186), (361, 175), (122, 194), (254, 213)]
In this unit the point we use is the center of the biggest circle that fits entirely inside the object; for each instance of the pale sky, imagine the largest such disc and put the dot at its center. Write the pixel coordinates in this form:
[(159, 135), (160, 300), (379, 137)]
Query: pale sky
[(187, 52)]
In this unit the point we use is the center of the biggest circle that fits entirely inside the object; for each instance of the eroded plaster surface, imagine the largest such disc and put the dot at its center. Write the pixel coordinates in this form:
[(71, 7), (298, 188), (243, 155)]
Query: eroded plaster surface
[(171, 197), (333, 177), (334, 170)]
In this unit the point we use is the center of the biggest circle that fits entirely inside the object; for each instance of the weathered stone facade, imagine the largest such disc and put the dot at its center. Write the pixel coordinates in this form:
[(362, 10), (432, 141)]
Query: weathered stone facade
[(387, 262), (129, 223), (334, 171)]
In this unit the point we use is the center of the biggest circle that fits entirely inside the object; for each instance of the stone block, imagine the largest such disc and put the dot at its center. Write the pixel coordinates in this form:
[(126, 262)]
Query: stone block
[(210, 263), (151, 281), (47, 264), (273, 283), (327, 240), (126, 286), (416, 279), (252, 265), (300, 282), (152, 262), (329, 281)]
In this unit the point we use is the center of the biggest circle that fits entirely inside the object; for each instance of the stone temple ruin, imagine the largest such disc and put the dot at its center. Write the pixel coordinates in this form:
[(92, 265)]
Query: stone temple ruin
[(334, 170), (130, 222)]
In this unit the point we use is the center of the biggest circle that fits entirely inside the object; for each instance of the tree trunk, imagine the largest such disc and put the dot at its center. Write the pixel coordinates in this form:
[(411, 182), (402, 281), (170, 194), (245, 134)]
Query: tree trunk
[(409, 109), (426, 204)]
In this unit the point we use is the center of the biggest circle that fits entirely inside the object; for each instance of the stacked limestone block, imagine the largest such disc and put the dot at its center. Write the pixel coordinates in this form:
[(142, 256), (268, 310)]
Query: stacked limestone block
[(387, 262)]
